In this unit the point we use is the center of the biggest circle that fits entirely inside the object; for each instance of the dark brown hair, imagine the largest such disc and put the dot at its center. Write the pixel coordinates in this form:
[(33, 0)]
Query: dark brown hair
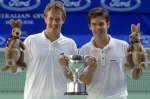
[(56, 6), (98, 11)]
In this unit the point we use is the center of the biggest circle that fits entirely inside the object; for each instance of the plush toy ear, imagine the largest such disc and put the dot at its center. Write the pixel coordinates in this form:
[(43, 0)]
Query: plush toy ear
[(138, 28), (133, 28), (12, 23), (18, 23)]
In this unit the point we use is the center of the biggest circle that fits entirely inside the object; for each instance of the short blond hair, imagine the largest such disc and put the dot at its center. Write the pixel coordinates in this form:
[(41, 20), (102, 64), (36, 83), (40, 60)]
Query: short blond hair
[(56, 5)]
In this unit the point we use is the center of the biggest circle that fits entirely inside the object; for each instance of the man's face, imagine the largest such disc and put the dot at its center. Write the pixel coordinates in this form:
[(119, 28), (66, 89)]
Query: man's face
[(54, 21), (99, 26)]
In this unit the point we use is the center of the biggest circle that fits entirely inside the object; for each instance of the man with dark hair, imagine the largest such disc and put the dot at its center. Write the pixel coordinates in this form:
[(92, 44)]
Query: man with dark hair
[(107, 79), (45, 77)]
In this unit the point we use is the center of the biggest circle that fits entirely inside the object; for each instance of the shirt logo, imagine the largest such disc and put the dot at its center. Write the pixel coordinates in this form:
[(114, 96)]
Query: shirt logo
[(121, 5), (61, 54), (113, 60), (20, 5), (75, 5)]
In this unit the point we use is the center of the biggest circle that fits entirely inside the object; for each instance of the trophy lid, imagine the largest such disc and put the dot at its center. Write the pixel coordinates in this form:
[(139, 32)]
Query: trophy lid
[(76, 57)]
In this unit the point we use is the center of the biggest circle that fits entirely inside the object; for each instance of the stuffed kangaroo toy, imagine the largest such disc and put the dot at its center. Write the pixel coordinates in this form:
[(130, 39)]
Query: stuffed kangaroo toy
[(136, 54), (14, 54)]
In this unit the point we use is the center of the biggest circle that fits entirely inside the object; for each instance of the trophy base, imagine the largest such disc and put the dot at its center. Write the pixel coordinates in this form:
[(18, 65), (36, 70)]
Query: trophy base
[(76, 93), (76, 88)]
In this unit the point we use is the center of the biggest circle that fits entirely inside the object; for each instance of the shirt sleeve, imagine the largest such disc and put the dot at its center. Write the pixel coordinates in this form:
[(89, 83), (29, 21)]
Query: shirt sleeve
[(27, 51), (83, 51), (74, 49)]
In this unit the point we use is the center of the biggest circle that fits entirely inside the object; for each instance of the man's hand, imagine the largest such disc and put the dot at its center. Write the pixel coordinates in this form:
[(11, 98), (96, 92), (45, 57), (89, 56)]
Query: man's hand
[(63, 60), (91, 63), (8, 42)]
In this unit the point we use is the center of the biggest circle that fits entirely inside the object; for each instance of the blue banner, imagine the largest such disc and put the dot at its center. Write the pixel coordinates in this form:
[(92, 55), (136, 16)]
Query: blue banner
[(123, 13), (138, 6), (75, 26)]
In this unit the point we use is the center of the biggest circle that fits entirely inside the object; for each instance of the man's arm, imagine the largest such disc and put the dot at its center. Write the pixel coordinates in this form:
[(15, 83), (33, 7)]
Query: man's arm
[(68, 73), (87, 75), (63, 60)]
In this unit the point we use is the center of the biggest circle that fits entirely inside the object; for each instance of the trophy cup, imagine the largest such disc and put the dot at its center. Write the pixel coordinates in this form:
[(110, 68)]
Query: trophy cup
[(76, 66)]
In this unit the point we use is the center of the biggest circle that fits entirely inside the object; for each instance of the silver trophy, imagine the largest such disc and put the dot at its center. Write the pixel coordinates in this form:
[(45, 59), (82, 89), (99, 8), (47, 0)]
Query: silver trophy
[(76, 66)]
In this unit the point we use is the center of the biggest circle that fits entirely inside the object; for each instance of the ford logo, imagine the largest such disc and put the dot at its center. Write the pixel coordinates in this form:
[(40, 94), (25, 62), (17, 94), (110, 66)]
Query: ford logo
[(145, 39), (20, 5), (75, 5), (121, 5), (2, 40)]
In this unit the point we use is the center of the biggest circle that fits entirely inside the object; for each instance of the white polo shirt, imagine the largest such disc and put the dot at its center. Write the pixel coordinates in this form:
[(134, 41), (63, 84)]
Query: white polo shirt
[(45, 77), (109, 79)]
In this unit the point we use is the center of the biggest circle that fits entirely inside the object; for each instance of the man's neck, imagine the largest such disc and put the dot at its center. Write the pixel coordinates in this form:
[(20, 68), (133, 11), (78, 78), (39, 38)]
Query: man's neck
[(101, 42), (52, 36)]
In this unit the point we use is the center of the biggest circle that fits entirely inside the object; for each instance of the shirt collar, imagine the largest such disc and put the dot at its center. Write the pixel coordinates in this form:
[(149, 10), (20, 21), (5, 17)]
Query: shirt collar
[(109, 45), (56, 41)]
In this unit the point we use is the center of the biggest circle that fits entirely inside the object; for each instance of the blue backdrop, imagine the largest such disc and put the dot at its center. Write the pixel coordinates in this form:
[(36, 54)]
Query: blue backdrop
[(123, 13)]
